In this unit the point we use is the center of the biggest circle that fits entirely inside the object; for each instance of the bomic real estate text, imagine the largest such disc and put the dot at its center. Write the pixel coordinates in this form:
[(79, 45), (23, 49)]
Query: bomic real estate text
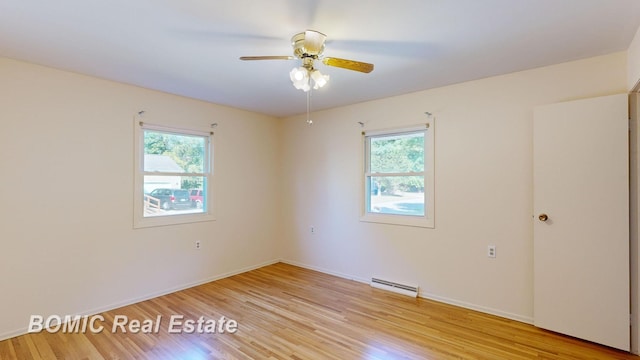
[(177, 324)]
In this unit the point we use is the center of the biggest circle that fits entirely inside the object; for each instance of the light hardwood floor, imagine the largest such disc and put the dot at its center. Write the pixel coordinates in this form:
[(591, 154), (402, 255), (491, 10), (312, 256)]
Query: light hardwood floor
[(286, 312)]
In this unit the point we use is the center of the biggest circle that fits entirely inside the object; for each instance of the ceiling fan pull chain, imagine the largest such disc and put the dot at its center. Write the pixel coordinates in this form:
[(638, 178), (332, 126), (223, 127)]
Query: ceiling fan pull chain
[(309, 121)]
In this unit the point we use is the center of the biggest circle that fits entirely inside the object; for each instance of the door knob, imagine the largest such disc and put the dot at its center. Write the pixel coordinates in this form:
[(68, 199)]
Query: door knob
[(543, 217)]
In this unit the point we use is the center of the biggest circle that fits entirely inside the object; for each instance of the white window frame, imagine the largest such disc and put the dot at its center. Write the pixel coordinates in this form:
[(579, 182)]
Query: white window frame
[(208, 214), (428, 220)]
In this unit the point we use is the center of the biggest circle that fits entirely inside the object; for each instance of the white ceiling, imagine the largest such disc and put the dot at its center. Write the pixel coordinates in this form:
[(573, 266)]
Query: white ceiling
[(191, 47)]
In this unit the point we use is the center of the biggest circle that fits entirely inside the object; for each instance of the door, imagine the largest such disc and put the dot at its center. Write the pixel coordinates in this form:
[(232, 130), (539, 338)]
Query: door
[(581, 219)]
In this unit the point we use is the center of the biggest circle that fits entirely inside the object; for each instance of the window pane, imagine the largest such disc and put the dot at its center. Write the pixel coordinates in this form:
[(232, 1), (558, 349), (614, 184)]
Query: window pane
[(399, 153), (173, 195), (166, 152), (397, 195)]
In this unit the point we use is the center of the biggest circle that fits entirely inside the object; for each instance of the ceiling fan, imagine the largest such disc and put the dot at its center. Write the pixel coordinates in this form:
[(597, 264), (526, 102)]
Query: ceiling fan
[(308, 46)]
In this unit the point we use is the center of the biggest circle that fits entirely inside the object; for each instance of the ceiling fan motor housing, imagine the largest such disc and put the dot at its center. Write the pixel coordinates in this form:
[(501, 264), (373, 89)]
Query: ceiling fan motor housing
[(308, 44)]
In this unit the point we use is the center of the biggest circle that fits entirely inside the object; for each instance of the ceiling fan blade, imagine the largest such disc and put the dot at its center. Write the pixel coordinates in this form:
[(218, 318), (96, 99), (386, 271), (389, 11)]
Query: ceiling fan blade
[(314, 42), (266, 58), (348, 64)]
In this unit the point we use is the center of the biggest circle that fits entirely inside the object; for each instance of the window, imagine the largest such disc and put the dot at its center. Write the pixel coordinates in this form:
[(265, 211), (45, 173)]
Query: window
[(173, 176), (398, 176)]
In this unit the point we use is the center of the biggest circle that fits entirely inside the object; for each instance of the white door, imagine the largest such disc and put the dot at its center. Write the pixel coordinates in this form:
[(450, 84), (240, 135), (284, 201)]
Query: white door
[(581, 248)]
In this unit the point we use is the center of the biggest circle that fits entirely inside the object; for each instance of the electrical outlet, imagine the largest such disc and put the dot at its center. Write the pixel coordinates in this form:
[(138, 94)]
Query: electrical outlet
[(491, 251), (312, 230), (197, 244)]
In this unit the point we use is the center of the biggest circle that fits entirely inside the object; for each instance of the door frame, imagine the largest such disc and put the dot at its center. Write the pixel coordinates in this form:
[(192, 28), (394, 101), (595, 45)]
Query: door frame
[(634, 216)]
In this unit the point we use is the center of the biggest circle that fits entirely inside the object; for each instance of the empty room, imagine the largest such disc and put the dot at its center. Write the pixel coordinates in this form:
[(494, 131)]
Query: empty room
[(319, 179)]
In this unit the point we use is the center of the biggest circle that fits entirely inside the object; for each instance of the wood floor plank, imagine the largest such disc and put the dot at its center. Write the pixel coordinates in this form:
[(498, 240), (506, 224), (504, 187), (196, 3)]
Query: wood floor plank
[(287, 312)]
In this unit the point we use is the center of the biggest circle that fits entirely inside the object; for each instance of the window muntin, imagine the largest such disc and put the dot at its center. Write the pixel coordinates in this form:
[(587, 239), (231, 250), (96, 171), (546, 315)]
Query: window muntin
[(398, 177)]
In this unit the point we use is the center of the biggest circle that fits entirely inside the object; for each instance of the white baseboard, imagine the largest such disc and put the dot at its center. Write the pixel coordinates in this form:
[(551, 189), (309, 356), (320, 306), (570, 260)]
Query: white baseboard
[(22, 331), (12, 334), (442, 299), (480, 308), (326, 271)]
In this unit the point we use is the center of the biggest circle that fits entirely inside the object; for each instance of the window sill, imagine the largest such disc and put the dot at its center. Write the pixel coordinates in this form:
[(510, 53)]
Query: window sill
[(403, 220)]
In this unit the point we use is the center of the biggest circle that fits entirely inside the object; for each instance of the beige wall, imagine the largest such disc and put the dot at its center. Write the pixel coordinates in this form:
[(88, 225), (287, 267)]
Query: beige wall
[(483, 184), (633, 62), (67, 243)]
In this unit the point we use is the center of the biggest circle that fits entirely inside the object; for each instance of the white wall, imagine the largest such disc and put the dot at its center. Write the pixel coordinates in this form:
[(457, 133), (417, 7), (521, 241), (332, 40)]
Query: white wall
[(633, 62), (483, 180), (67, 243)]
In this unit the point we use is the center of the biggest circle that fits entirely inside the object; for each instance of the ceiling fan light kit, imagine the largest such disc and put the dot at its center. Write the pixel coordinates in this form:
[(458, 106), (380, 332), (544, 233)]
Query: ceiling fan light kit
[(300, 78), (319, 80)]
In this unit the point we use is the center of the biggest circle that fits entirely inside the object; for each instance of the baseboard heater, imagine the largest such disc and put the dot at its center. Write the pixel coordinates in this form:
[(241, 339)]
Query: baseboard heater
[(395, 287)]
